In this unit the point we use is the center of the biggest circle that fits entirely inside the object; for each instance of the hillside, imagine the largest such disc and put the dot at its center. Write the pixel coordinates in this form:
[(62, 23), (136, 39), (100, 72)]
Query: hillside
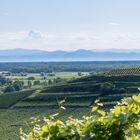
[(25, 55), (77, 93), (69, 98), (125, 71)]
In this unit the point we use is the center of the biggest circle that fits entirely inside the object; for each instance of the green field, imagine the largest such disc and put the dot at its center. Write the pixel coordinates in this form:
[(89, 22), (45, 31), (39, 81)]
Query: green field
[(79, 93), (51, 100), (63, 76), (125, 71), (37, 76), (9, 99), (12, 120), (15, 111)]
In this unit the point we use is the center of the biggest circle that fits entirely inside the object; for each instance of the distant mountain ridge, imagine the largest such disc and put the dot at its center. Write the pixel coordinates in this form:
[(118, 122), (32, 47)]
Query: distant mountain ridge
[(25, 55)]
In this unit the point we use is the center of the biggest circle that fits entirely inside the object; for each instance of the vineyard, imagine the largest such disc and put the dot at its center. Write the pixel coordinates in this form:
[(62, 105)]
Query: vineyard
[(76, 95), (120, 123), (125, 71), (7, 100)]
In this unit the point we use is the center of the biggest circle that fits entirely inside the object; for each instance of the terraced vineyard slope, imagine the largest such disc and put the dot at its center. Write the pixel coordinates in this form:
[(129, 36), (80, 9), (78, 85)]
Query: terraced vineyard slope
[(79, 93), (125, 71)]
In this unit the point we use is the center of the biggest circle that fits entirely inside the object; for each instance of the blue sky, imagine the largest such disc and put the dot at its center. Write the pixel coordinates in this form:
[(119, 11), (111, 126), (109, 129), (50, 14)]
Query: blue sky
[(69, 24)]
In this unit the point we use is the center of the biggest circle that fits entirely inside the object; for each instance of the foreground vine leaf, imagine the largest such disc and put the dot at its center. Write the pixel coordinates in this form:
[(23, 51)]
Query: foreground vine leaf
[(120, 123)]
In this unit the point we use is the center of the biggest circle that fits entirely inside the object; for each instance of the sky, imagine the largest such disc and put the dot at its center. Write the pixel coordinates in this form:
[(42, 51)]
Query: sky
[(69, 24)]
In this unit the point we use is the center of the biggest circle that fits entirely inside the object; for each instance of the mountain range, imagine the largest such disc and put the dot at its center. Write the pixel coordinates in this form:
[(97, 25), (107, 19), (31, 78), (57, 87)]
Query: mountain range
[(25, 55)]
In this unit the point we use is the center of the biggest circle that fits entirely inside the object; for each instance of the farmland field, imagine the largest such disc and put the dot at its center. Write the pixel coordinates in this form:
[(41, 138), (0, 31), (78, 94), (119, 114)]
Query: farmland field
[(66, 75), (15, 113), (45, 78), (12, 120), (69, 70), (78, 90)]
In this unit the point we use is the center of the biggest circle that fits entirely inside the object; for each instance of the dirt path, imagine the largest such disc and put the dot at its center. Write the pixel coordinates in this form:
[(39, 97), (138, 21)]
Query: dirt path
[(31, 95), (34, 93)]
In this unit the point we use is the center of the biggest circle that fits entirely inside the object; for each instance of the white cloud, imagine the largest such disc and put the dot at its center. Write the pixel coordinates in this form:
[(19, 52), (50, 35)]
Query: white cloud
[(33, 39), (34, 35), (127, 37), (85, 36)]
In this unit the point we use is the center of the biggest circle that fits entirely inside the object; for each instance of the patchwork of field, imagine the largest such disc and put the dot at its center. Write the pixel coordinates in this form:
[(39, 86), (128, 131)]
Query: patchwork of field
[(18, 115), (77, 93), (37, 76), (74, 97)]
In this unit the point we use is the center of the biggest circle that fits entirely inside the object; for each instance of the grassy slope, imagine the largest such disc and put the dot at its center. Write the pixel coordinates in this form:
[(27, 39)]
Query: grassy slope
[(12, 120), (9, 99)]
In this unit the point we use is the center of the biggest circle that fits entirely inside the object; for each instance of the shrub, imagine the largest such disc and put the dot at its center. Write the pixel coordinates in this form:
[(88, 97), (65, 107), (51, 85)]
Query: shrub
[(31, 78), (18, 85), (80, 74), (107, 88), (120, 123), (51, 74), (29, 84), (9, 88), (37, 82)]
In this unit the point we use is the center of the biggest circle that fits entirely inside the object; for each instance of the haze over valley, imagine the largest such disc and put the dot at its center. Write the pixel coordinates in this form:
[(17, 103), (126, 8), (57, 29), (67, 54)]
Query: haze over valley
[(26, 55)]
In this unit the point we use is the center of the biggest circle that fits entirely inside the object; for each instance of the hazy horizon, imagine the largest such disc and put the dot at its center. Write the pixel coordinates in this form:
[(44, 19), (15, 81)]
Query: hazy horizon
[(69, 25), (102, 50)]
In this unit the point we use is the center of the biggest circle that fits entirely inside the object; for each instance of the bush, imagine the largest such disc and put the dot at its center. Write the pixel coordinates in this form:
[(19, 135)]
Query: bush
[(18, 85), (31, 78), (51, 74), (80, 74), (29, 84), (107, 88), (120, 123), (3, 80), (9, 88), (37, 82)]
